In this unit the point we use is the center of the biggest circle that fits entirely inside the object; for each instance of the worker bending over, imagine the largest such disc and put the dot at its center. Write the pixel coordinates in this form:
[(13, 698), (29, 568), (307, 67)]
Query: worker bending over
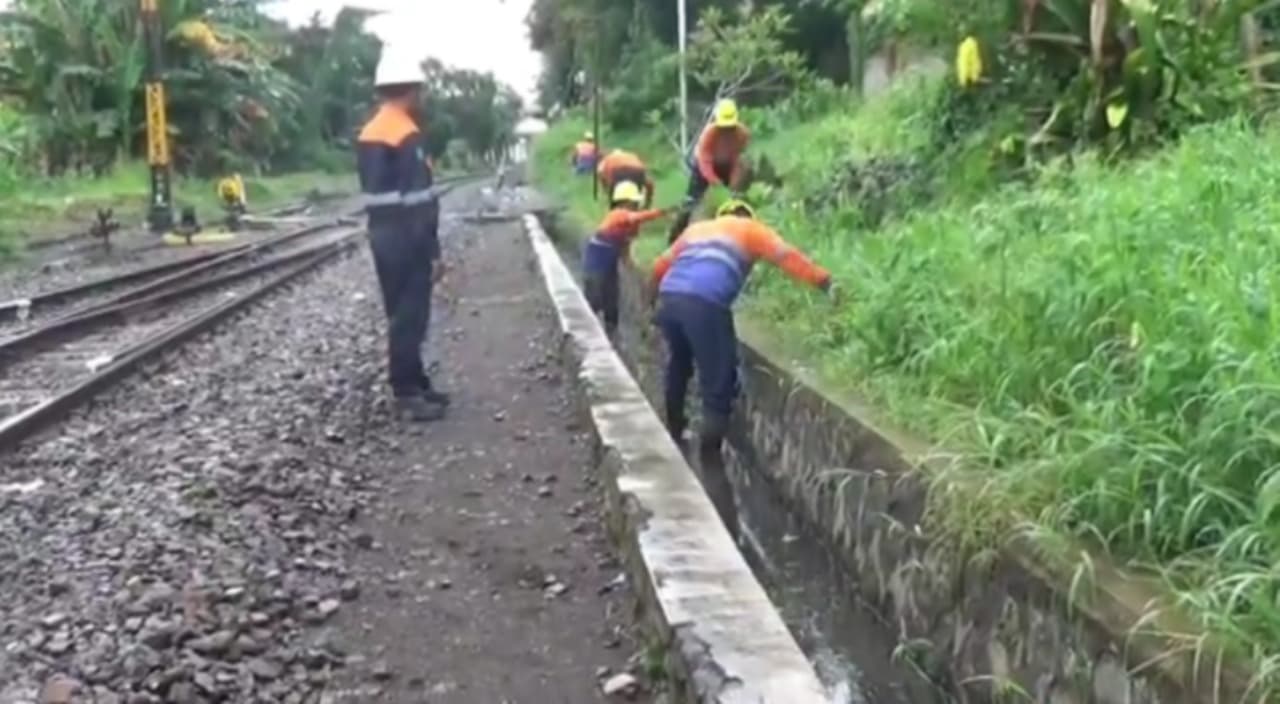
[(716, 160), (610, 244), (696, 282), (396, 179), (621, 166), (585, 154)]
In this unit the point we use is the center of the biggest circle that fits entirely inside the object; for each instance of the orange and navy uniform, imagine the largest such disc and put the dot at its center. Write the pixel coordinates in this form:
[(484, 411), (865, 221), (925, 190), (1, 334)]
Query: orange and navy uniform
[(396, 178), (613, 238), (712, 259), (584, 156), (621, 166), (717, 154)]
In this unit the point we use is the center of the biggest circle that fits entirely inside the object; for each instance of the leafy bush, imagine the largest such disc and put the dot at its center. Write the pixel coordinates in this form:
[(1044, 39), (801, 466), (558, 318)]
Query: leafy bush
[(1115, 72)]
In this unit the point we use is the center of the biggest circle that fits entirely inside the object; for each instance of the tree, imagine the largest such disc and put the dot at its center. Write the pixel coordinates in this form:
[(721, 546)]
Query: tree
[(470, 107)]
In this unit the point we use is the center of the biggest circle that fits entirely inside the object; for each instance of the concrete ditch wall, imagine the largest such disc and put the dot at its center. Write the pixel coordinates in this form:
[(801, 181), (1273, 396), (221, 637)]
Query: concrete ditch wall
[(726, 644), (1006, 625)]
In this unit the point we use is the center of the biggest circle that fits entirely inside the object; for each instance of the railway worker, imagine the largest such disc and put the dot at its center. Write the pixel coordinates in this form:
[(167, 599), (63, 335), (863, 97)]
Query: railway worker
[(621, 166), (610, 244), (716, 160), (396, 179), (585, 154), (695, 283)]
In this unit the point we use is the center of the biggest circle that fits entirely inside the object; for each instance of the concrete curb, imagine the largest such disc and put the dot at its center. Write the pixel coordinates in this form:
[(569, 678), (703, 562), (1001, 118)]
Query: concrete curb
[(724, 637)]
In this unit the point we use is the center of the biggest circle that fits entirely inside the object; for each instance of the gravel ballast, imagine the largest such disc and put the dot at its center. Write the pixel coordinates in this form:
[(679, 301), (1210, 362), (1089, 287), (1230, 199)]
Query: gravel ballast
[(246, 522)]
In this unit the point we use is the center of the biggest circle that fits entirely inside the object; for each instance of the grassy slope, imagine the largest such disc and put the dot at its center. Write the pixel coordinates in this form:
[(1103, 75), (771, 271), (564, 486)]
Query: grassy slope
[(53, 207), (1099, 347)]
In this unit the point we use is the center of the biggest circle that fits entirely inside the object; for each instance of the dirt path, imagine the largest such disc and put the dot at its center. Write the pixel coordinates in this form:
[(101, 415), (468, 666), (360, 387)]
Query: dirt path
[(245, 522), (491, 580)]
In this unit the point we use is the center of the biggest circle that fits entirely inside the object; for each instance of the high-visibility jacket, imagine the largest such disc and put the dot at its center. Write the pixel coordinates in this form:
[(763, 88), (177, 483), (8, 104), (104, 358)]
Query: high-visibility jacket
[(613, 238), (619, 163), (712, 259), (396, 178), (584, 154), (722, 147)]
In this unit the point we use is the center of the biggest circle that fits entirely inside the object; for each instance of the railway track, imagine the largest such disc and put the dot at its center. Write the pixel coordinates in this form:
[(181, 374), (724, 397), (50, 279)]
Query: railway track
[(87, 336), (84, 242), (19, 312), (52, 367)]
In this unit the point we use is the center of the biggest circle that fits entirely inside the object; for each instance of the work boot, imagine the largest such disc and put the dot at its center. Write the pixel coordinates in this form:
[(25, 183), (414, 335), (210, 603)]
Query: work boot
[(675, 427), (417, 410), (431, 395), (715, 476)]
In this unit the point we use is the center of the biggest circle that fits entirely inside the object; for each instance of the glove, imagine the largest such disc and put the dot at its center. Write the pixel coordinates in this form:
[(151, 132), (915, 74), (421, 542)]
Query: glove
[(834, 293)]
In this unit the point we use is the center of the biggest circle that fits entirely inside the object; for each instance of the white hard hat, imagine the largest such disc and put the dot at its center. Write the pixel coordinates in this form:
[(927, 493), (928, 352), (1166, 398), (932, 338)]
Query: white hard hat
[(398, 67)]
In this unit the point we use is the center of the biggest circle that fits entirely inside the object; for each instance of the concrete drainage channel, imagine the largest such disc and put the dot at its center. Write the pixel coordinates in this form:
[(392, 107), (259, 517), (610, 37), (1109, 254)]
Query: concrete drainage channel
[(725, 642), (832, 506), (847, 648)]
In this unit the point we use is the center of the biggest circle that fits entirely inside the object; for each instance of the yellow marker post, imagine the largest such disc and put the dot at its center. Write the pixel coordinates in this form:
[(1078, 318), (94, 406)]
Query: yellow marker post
[(160, 213)]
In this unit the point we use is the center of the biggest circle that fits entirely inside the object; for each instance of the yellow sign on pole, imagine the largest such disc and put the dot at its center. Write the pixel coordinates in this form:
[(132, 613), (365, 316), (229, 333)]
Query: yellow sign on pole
[(157, 126)]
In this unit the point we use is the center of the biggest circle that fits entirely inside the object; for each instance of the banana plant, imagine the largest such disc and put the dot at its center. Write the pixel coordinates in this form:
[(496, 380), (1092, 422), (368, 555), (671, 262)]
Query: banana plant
[(1158, 62)]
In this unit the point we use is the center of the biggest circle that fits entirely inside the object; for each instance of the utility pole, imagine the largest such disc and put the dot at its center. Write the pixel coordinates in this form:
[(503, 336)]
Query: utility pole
[(160, 213), (595, 107), (595, 130), (684, 80)]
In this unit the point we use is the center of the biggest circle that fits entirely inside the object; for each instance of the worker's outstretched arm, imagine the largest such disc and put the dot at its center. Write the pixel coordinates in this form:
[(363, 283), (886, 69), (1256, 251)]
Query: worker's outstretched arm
[(643, 216), (769, 245), (706, 166)]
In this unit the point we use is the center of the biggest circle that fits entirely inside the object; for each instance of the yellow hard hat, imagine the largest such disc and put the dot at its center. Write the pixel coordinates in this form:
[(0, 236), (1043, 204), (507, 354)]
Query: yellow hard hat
[(627, 192), (726, 113), (231, 188), (732, 206)]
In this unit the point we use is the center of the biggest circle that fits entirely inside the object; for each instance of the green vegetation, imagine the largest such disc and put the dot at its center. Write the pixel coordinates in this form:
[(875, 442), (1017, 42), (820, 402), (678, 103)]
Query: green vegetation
[(1062, 274), (245, 94)]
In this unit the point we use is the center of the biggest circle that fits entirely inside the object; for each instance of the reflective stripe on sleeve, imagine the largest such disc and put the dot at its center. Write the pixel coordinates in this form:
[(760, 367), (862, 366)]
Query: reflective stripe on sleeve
[(375, 200)]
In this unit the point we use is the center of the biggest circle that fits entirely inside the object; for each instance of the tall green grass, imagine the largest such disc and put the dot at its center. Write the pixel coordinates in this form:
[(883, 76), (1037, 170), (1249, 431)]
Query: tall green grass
[(1099, 346)]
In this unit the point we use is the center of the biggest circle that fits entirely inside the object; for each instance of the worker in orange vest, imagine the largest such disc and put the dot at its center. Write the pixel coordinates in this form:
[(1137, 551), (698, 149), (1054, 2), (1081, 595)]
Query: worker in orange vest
[(404, 216), (621, 166), (585, 154), (695, 283), (611, 244), (716, 160)]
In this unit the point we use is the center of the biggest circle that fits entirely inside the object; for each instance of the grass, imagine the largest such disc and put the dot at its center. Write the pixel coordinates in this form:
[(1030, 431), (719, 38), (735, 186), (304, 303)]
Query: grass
[(41, 208), (1098, 346)]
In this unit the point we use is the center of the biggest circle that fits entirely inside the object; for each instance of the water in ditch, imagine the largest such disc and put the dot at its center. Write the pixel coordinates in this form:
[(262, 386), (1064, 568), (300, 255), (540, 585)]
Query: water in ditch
[(851, 650)]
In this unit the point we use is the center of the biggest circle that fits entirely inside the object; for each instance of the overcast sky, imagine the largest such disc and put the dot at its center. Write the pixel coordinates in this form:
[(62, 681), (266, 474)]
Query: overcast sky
[(486, 35)]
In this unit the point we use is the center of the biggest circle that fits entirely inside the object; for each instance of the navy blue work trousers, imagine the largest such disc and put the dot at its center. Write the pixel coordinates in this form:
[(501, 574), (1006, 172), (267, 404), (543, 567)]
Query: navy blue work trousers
[(700, 335), (404, 264)]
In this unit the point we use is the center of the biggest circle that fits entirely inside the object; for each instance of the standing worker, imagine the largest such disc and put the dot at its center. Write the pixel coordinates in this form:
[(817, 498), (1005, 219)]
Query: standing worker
[(621, 166), (404, 216), (610, 244), (716, 160), (585, 154), (696, 282)]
